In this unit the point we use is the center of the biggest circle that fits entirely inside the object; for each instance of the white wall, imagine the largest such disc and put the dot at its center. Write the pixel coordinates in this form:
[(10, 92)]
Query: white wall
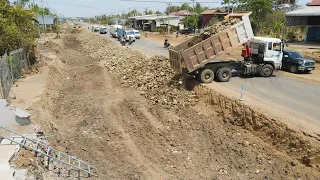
[(172, 22)]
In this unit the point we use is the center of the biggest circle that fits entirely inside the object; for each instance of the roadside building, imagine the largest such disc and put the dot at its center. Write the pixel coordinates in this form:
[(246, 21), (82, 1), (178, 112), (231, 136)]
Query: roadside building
[(46, 21), (152, 22), (182, 14), (310, 17), (207, 15)]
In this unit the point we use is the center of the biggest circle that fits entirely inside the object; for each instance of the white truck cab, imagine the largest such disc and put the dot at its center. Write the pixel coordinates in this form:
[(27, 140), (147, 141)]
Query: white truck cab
[(273, 49), (128, 34)]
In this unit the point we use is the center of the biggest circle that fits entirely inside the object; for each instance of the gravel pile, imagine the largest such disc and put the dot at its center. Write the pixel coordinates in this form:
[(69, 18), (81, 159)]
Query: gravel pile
[(213, 29), (153, 76)]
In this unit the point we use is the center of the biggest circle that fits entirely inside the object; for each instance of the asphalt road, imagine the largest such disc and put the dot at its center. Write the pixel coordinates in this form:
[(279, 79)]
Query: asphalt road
[(149, 48), (295, 95)]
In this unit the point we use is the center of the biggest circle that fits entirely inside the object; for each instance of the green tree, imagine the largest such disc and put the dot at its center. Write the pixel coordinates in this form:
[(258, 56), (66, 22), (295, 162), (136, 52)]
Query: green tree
[(172, 9), (35, 8), (150, 12), (191, 21), (259, 8), (284, 2), (21, 3), (158, 13), (185, 6), (134, 13), (199, 9), (17, 27)]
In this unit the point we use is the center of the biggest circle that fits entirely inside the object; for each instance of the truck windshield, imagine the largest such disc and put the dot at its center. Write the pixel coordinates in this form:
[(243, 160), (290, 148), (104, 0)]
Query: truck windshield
[(137, 32), (295, 55), (129, 33)]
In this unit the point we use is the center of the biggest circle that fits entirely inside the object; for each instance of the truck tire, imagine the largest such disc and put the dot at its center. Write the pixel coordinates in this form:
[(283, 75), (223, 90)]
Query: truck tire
[(266, 70), (206, 76), (224, 74)]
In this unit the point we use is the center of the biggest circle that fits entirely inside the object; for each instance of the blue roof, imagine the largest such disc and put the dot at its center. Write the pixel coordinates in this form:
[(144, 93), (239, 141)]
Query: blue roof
[(48, 19)]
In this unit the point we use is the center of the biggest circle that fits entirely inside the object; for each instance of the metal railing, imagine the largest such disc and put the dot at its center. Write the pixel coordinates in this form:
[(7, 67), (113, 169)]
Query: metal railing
[(39, 147)]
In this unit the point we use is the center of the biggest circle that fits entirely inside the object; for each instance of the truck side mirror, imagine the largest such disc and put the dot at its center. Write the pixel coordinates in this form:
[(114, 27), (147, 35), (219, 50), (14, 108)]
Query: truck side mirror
[(261, 49)]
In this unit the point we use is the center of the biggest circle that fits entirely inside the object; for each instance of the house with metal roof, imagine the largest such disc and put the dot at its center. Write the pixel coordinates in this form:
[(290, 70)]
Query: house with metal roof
[(46, 21), (310, 17), (207, 15), (152, 22)]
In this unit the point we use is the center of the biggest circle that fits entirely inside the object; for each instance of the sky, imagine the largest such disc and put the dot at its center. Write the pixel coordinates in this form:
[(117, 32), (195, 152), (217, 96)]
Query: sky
[(87, 8)]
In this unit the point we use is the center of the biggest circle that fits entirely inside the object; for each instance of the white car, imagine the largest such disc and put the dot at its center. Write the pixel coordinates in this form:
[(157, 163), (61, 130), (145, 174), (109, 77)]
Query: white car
[(137, 34)]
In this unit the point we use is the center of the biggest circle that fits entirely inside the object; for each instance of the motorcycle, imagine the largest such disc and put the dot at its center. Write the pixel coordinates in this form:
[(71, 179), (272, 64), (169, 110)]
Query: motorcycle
[(130, 42), (123, 41), (166, 44)]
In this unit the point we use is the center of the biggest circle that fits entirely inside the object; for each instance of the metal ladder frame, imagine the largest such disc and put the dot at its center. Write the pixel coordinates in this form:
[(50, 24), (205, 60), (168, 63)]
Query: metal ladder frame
[(49, 152)]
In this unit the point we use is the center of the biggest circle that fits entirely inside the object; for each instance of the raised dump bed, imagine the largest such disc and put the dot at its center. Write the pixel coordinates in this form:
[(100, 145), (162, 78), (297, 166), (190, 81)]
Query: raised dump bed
[(189, 59)]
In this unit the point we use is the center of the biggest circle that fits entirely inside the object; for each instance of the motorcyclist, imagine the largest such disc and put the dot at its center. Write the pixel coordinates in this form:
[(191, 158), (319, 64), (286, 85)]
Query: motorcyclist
[(123, 40), (130, 40), (166, 42)]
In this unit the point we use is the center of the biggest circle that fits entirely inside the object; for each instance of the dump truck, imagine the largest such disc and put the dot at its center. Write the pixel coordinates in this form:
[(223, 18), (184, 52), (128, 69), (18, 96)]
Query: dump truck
[(261, 55), (113, 30)]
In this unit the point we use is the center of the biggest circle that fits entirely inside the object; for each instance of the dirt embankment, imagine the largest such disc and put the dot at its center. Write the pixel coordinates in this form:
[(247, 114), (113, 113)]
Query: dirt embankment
[(131, 117)]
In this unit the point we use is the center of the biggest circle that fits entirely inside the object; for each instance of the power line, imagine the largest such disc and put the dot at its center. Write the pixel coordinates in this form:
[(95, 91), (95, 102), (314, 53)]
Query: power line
[(178, 2), (74, 5)]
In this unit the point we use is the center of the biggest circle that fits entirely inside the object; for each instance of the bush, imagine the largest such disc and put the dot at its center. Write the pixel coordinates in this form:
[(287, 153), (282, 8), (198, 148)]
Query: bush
[(17, 27), (56, 28)]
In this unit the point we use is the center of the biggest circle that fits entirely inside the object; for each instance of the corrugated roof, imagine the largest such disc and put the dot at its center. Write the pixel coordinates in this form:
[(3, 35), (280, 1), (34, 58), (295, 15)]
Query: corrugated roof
[(314, 3), (214, 11), (183, 13), (153, 17), (48, 19), (309, 11)]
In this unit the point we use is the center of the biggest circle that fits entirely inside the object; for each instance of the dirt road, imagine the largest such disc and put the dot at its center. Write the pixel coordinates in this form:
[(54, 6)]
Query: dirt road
[(100, 106)]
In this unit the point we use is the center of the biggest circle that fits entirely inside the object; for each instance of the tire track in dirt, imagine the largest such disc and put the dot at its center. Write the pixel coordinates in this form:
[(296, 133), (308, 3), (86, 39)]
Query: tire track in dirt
[(113, 108)]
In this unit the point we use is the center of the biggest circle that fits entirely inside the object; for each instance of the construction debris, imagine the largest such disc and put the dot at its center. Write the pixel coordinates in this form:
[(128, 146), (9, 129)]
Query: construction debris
[(151, 76), (212, 30)]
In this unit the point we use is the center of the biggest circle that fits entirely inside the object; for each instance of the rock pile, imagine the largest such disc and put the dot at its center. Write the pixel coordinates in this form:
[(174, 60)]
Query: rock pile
[(220, 26), (213, 29), (153, 76)]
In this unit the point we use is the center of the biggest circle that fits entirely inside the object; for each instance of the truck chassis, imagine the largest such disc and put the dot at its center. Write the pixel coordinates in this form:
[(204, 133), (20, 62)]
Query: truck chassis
[(222, 70)]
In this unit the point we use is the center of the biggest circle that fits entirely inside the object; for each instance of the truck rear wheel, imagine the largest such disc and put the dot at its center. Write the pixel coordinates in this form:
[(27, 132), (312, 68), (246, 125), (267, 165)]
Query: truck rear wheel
[(206, 76), (266, 70), (224, 74)]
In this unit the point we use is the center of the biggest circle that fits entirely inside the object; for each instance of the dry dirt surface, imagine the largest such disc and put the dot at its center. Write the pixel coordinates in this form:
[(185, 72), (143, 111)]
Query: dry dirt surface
[(131, 117)]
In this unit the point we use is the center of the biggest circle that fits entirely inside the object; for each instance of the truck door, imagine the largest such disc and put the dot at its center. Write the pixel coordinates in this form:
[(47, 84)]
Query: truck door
[(274, 54), (286, 60)]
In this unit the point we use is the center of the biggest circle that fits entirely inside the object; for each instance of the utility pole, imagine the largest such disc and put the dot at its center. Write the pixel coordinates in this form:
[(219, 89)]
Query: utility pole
[(146, 11), (169, 6), (193, 4), (43, 18)]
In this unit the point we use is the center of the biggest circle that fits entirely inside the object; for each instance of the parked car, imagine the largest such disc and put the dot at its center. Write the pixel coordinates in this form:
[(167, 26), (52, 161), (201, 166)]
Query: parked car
[(294, 62), (137, 34)]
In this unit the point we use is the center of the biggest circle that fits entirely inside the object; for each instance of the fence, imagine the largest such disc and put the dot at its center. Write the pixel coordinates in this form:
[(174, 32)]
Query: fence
[(11, 69)]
